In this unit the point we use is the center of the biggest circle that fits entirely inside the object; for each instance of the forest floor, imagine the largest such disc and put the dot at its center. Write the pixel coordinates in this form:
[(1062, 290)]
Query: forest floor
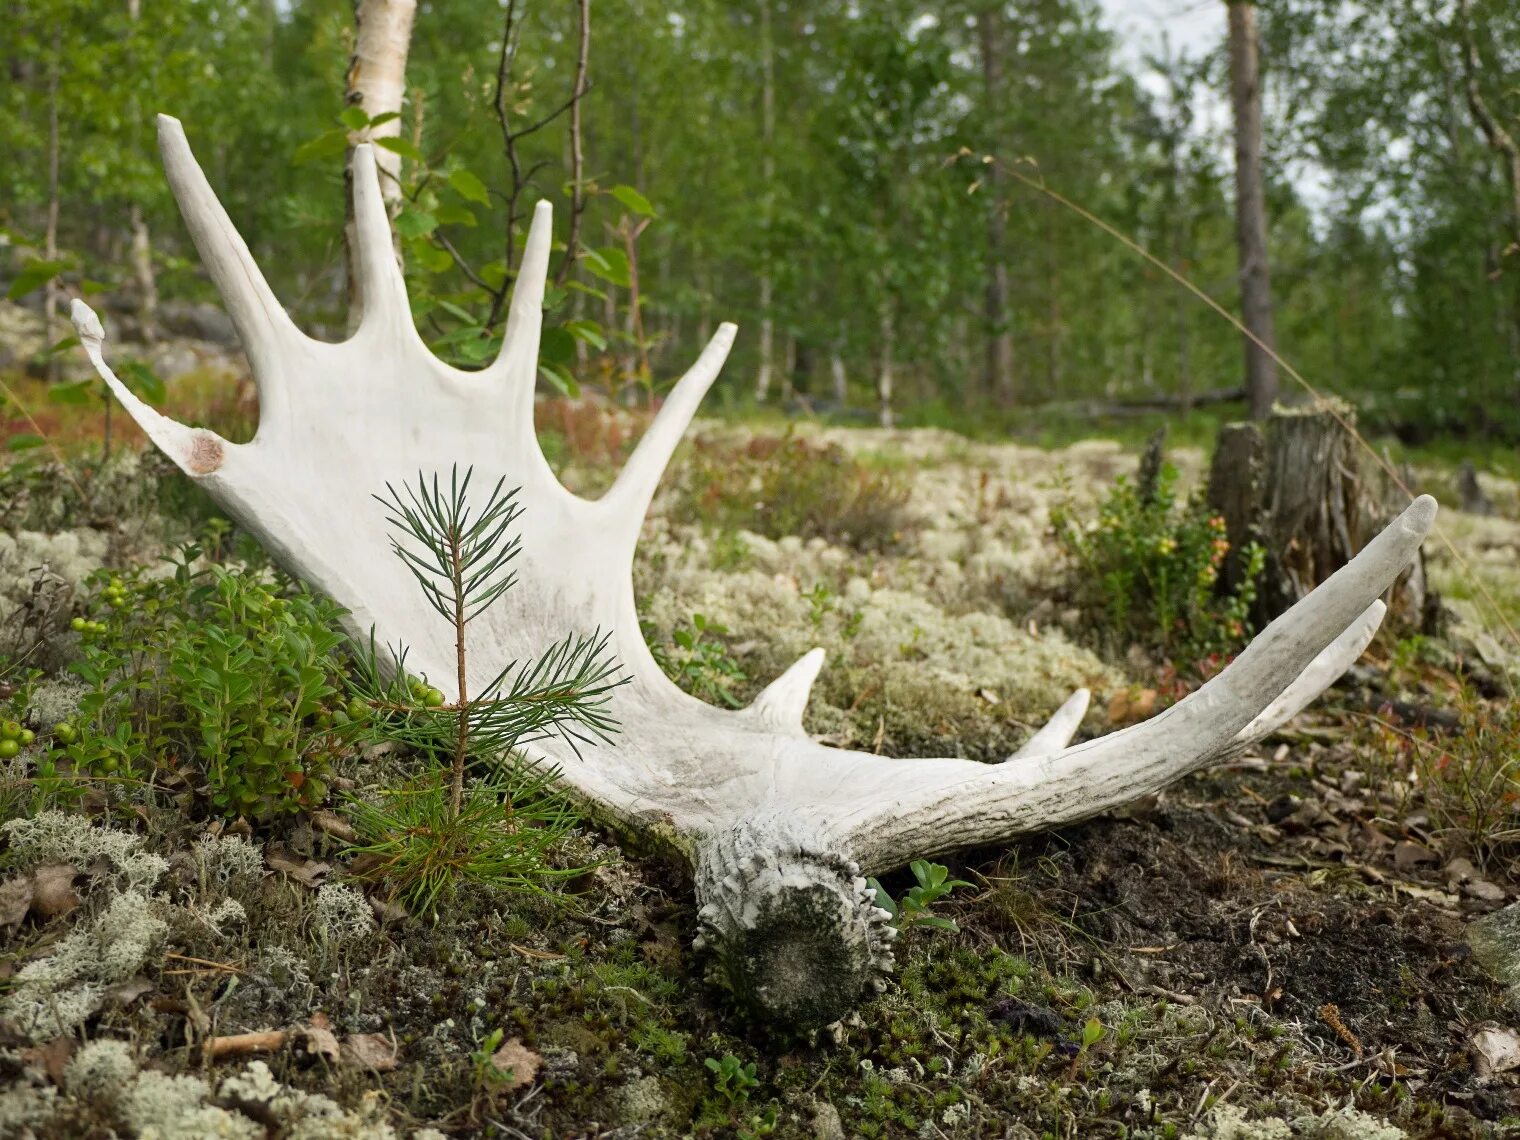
[(1274, 948)]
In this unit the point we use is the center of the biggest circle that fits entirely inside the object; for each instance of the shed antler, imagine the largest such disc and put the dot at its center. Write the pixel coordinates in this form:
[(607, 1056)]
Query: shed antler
[(779, 829)]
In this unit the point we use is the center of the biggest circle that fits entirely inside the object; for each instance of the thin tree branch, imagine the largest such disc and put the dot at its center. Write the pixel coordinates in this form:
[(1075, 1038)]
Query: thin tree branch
[(504, 67), (577, 153), (570, 104), (464, 267)]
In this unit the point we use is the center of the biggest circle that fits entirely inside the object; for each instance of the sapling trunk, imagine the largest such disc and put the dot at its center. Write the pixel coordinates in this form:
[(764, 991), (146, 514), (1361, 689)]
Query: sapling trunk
[(462, 700)]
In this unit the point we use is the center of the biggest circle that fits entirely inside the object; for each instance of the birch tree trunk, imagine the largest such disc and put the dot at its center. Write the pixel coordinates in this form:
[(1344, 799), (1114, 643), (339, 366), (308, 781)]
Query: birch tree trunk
[(767, 345), (376, 83), (142, 272), (1251, 210), (884, 372)]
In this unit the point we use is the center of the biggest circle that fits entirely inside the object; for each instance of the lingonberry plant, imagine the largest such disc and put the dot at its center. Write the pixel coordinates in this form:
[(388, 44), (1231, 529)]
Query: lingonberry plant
[(222, 685), (1147, 571)]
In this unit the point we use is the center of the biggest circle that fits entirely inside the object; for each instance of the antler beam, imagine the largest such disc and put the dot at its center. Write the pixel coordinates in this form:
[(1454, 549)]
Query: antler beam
[(779, 830)]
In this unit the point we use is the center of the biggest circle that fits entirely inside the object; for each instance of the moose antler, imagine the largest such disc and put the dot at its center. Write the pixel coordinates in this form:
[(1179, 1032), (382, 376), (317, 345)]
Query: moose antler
[(779, 829)]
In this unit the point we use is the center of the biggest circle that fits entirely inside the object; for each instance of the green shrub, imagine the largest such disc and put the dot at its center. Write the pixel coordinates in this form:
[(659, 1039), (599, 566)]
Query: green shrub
[(1469, 778), (698, 661), (933, 883), (1147, 572), (219, 683), (784, 485)]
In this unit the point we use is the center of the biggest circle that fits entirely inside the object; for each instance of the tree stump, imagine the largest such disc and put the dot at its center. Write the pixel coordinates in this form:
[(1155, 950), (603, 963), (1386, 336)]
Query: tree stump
[(1303, 487)]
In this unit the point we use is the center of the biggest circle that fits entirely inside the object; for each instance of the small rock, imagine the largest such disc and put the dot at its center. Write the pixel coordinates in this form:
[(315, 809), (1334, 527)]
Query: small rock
[(1494, 1049), (369, 1051), (1025, 1017), (1407, 855), (826, 1122), (1495, 942), (1484, 890), (1459, 871)]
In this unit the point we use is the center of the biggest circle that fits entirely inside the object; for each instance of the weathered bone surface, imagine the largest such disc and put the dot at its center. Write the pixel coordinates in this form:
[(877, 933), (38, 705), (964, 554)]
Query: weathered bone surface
[(779, 829)]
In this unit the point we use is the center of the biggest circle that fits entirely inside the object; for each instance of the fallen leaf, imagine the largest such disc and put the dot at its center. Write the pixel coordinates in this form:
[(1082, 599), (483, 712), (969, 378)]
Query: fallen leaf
[(517, 1063), (125, 993), (15, 900), (330, 824), (321, 1041), (1130, 706), (369, 1051), (1429, 894), (1459, 871), (53, 889), (53, 1057), (1494, 1049), (303, 870), (1409, 854), (388, 911)]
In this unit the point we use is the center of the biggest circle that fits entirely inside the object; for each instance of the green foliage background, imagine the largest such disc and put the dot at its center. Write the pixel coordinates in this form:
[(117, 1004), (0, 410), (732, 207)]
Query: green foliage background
[(1395, 277)]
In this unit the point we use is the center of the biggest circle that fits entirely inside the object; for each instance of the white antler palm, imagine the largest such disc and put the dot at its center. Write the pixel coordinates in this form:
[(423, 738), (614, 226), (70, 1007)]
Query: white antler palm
[(779, 829)]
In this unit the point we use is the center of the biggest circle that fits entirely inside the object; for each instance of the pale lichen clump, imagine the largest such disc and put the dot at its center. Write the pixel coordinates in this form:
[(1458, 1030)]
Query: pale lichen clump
[(55, 837), (303, 1116), (103, 1078), (71, 555), (99, 1072), (925, 657), (1228, 1122), (26, 1106), (344, 916), (158, 1106), (56, 994), (227, 863)]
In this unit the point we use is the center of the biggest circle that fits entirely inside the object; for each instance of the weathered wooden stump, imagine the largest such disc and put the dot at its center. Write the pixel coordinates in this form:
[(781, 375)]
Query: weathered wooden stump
[(1304, 487)]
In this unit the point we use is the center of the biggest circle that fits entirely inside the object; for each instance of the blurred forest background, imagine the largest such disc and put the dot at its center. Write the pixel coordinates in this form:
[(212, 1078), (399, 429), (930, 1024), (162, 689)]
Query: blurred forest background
[(849, 181)]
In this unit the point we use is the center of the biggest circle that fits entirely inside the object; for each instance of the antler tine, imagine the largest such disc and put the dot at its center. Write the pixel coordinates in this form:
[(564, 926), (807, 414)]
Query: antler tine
[(262, 324), (781, 704), (517, 364), (1323, 672), (634, 489), (382, 288), (197, 451), (1058, 730), (1199, 728), (1010, 799), (1326, 669)]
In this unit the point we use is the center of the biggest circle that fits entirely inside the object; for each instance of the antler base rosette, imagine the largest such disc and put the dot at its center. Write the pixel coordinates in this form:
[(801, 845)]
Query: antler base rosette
[(779, 829)]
